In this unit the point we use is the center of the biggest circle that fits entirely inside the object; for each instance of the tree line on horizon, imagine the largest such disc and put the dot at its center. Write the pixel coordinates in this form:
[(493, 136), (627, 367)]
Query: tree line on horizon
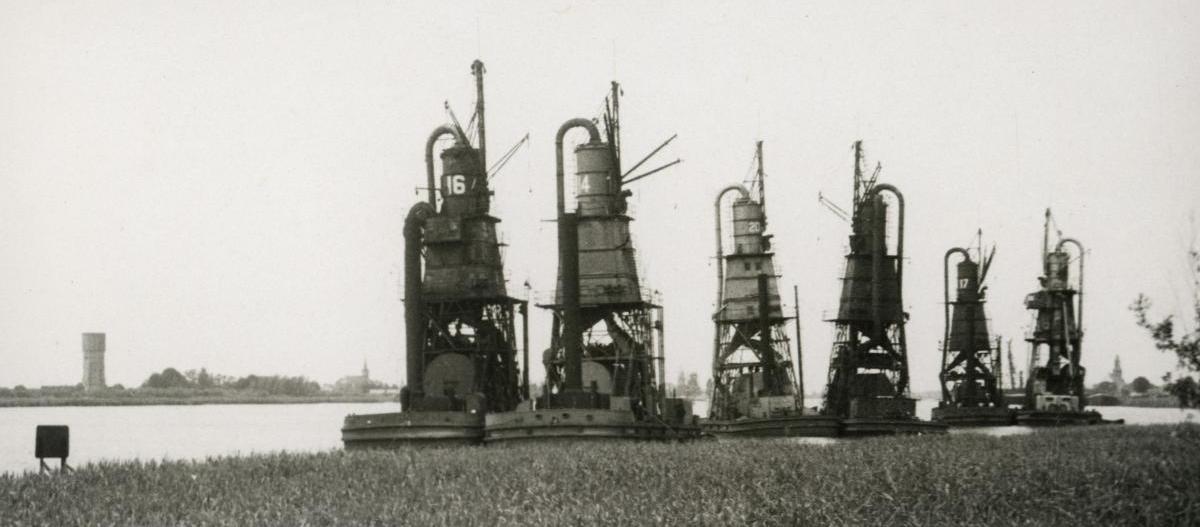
[(170, 378), (193, 381)]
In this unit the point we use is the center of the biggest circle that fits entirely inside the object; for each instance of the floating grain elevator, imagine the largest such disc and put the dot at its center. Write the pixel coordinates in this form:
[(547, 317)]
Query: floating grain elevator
[(605, 362), (461, 343), (868, 383), (1054, 390), (971, 371), (754, 390)]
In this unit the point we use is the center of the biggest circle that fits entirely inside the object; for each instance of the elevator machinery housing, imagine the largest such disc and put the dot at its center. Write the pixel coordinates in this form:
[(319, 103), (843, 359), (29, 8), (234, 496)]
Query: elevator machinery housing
[(868, 382), (971, 371), (754, 390), (1054, 390), (461, 344), (604, 365)]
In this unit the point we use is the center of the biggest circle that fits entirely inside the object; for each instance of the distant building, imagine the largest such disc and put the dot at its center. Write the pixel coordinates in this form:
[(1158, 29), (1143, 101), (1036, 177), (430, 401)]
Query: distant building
[(93, 361), (1116, 377), (355, 383)]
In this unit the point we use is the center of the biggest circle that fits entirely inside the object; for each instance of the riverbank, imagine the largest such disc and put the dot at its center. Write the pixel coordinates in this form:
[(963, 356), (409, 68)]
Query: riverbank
[(159, 400), (1135, 402), (1108, 475)]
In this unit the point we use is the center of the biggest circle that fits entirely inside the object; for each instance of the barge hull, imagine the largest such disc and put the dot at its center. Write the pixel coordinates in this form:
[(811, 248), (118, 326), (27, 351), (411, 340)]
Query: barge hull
[(978, 416), (407, 429), (580, 424), (866, 426), (790, 426)]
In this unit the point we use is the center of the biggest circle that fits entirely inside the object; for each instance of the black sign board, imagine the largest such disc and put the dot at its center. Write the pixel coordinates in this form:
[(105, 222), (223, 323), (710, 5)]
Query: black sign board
[(53, 441)]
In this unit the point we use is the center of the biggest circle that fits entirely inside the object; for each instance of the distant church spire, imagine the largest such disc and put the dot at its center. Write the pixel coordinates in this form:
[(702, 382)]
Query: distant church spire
[(1116, 377), (366, 374)]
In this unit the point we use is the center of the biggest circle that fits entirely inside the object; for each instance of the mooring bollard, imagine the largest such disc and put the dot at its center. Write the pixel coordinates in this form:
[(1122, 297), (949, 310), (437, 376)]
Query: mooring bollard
[(53, 441)]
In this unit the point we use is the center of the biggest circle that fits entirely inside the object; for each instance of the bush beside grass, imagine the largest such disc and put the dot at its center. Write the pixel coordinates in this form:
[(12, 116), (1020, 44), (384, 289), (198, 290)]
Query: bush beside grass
[(1114, 475)]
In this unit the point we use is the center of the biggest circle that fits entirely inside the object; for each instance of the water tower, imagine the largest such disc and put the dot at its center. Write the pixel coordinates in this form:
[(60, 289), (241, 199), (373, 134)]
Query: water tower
[(93, 361)]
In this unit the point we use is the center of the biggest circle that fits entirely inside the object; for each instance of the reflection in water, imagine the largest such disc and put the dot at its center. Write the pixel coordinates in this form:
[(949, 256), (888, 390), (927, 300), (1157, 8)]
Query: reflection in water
[(1148, 416), (993, 430), (819, 441)]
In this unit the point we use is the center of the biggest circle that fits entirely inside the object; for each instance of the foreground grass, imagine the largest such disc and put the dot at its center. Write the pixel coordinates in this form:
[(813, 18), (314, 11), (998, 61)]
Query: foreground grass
[(1130, 475)]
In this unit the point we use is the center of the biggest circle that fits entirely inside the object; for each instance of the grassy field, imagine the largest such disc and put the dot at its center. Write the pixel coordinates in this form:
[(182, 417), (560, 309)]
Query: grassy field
[(1118, 475)]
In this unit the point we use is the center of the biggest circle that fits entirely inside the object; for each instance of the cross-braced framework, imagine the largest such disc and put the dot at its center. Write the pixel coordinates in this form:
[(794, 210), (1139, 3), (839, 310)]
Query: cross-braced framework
[(868, 367), (748, 365), (970, 358), (619, 344), (461, 342), (1057, 333), (482, 333), (752, 366), (606, 338), (865, 368), (970, 378)]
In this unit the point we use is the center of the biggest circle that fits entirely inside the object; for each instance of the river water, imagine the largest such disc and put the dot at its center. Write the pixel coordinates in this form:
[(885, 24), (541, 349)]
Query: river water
[(177, 432), (195, 432)]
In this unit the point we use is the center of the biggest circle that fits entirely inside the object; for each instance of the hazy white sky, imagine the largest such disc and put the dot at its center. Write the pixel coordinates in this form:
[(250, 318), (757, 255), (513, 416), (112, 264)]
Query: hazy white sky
[(223, 184)]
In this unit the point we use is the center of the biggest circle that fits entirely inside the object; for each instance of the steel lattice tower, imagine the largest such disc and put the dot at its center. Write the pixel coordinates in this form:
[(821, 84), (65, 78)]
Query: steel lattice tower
[(752, 366), (868, 369)]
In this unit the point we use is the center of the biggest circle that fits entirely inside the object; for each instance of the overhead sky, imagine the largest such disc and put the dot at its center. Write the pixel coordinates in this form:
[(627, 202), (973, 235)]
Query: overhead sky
[(222, 184)]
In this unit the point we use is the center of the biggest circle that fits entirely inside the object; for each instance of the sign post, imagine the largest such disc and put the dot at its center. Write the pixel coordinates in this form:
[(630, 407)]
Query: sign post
[(53, 441)]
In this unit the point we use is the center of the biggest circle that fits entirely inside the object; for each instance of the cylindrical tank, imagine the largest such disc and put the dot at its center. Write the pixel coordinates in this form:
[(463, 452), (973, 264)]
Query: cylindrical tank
[(1057, 270), (464, 186), (93, 361), (449, 375), (462, 256), (595, 188), (607, 266), (968, 281), (748, 227), (968, 328), (595, 375)]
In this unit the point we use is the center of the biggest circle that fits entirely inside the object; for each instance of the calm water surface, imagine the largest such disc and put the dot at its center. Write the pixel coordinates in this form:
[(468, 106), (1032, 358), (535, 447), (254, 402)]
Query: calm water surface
[(195, 432), (177, 432)]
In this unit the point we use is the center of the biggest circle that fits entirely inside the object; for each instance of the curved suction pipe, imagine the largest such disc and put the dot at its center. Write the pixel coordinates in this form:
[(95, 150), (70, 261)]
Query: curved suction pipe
[(885, 187), (720, 250), (1079, 309), (568, 264), (593, 137), (946, 303), (433, 138), (414, 320), (721, 272)]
